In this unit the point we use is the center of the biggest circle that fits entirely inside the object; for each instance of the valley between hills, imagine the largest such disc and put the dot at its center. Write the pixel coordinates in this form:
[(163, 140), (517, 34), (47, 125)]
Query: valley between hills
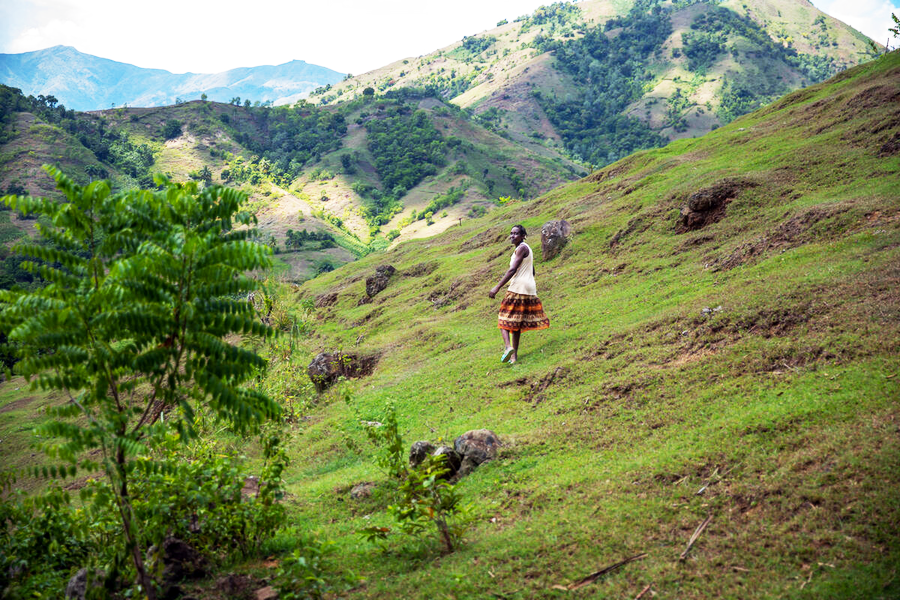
[(713, 411)]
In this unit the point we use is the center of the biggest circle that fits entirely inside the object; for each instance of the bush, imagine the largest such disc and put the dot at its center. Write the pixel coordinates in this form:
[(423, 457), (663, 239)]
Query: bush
[(172, 129)]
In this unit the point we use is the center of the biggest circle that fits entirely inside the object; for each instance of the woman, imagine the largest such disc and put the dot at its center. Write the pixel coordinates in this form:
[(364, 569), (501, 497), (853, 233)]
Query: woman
[(521, 309)]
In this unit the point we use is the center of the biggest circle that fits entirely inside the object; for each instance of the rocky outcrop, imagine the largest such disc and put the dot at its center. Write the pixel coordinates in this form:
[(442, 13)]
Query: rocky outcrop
[(77, 588), (469, 450), (327, 367), (419, 452), (476, 447), (379, 280), (362, 490), (180, 561), (554, 237), (707, 206)]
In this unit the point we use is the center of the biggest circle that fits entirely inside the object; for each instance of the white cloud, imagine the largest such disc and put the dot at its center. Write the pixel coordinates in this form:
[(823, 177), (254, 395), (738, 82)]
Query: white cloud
[(871, 17), (205, 36), (345, 35)]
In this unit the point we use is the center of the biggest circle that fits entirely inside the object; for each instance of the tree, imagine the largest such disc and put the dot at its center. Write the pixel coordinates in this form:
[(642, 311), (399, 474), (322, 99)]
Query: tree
[(142, 288), (172, 129), (203, 97), (369, 91)]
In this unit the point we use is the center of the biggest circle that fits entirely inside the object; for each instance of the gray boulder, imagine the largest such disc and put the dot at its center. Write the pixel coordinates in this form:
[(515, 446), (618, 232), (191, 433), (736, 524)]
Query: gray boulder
[(362, 490), (452, 460), (554, 237), (77, 587), (179, 559), (327, 367), (379, 280), (478, 446), (419, 451)]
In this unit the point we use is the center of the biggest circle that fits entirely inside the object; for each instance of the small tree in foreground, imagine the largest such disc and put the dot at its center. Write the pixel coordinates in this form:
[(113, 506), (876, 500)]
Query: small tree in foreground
[(142, 290)]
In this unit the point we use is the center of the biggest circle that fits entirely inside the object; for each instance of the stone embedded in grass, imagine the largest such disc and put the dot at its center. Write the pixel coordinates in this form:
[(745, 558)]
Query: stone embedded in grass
[(452, 460), (419, 451), (362, 490), (379, 280), (77, 588), (327, 367), (180, 561), (326, 300), (478, 445), (707, 206), (554, 237)]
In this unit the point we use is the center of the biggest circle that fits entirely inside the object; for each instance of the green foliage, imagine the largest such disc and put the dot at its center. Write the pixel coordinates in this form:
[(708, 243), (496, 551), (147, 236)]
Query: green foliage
[(472, 46), (171, 129), (452, 196), (305, 574), (115, 148), (612, 73), (385, 435), (194, 493), (297, 239), (406, 146), (142, 288), (425, 498), (702, 49), (552, 19)]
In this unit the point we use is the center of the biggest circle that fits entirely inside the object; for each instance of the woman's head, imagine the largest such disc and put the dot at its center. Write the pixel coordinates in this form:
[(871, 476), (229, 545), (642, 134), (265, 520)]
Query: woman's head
[(521, 229), (517, 235)]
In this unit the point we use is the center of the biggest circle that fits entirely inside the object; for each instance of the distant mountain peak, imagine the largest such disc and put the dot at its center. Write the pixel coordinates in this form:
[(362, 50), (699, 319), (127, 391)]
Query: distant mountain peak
[(86, 82)]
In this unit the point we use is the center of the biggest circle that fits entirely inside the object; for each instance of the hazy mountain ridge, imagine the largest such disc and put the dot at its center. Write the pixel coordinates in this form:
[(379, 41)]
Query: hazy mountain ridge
[(85, 82)]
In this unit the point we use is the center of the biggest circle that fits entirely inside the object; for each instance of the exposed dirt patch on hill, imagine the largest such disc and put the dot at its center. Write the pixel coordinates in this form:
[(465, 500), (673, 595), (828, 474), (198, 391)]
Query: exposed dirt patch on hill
[(792, 233), (17, 404), (707, 206)]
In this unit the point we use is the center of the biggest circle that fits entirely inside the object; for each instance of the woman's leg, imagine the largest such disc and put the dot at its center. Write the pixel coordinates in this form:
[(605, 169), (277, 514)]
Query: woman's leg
[(505, 334), (515, 346)]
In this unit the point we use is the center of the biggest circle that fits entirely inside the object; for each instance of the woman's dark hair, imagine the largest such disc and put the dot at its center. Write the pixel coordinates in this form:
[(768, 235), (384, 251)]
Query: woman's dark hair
[(521, 230)]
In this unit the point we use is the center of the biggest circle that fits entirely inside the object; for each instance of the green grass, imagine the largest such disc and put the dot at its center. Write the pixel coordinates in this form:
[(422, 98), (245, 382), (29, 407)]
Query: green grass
[(783, 403)]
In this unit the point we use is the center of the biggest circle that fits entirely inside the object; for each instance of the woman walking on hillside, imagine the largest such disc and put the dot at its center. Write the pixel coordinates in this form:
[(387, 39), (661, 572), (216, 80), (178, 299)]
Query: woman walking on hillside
[(520, 310)]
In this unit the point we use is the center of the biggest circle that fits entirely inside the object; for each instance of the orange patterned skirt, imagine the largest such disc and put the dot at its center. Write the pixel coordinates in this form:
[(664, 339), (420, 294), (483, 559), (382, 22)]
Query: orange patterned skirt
[(519, 312)]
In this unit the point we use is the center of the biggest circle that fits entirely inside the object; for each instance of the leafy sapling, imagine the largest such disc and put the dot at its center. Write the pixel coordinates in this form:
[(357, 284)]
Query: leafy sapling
[(142, 289)]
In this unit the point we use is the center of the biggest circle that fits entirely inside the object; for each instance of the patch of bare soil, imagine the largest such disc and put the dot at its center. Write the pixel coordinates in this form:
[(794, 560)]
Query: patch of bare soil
[(536, 395), (638, 224), (421, 269), (494, 235), (790, 234), (17, 404), (890, 147), (707, 206)]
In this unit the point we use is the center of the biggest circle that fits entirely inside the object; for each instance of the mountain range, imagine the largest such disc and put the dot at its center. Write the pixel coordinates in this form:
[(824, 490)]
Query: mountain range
[(85, 82), (607, 78)]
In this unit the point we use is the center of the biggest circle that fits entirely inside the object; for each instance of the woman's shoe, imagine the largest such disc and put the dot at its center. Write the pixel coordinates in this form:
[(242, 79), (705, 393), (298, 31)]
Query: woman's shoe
[(506, 354)]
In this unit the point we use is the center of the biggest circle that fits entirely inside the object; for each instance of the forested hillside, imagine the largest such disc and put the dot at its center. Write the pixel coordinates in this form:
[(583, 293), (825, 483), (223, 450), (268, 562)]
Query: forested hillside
[(602, 79), (365, 173)]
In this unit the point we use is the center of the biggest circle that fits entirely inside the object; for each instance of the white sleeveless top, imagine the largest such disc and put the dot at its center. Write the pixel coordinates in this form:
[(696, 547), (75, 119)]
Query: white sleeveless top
[(523, 281)]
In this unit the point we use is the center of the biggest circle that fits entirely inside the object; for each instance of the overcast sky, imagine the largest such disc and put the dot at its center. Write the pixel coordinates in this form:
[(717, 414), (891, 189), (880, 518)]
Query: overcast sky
[(349, 36)]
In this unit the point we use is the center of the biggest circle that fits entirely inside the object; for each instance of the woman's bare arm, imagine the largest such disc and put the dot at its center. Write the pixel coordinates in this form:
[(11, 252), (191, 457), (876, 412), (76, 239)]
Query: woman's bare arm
[(521, 253)]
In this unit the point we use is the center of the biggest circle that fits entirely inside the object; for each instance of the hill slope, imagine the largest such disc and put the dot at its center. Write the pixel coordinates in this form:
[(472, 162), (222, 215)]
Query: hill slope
[(85, 82), (737, 362), (606, 78), (366, 172)]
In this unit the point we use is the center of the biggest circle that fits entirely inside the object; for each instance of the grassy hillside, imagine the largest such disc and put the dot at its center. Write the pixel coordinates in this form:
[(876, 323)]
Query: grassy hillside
[(745, 370), (735, 366), (643, 72)]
